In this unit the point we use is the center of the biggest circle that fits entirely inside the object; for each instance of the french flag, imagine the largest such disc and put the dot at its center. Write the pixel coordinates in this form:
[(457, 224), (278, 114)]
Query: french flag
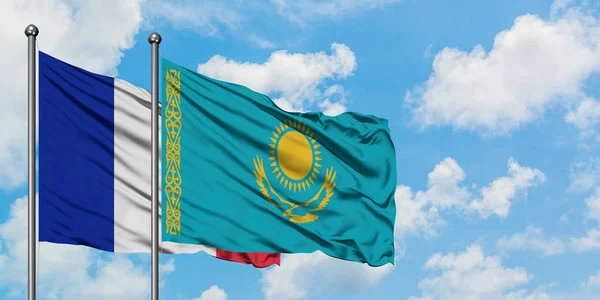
[(94, 165)]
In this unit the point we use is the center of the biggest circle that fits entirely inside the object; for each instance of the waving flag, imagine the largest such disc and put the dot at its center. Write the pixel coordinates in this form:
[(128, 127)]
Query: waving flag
[(94, 165), (241, 174)]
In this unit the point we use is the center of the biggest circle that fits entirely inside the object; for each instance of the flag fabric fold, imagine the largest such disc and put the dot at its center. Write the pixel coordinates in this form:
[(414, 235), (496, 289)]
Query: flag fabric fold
[(243, 175), (94, 165)]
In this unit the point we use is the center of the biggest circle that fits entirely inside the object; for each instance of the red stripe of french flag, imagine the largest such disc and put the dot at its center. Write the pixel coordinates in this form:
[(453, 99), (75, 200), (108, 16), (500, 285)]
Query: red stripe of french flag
[(257, 259)]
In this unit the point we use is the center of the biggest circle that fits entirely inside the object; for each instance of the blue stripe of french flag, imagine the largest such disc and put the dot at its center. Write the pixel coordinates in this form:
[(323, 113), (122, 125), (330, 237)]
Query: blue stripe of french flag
[(94, 164)]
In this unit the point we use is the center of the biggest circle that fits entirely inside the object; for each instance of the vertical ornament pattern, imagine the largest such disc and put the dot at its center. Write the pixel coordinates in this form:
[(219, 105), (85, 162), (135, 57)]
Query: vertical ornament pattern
[(172, 124)]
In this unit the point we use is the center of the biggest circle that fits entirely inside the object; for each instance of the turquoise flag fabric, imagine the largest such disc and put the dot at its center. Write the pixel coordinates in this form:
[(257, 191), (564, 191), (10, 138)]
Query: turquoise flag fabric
[(240, 174)]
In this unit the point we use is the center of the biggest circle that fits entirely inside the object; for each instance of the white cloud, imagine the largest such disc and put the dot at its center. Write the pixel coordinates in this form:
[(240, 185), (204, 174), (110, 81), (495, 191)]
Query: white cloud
[(66, 271), (472, 275), (164, 269), (334, 102), (586, 117), (203, 16), (589, 290), (118, 278), (261, 42), (559, 6), (214, 17), (332, 109), (295, 77), (75, 31), (444, 190), (593, 281), (419, 211), (301, 11), (287, 105), (589, 242), (593, 205), (497, 196), (533, 65), (415, 214), (213, 293), (168, 266), (302, 274), (585, 175), (533, 240), (428, 52), (538, 294)]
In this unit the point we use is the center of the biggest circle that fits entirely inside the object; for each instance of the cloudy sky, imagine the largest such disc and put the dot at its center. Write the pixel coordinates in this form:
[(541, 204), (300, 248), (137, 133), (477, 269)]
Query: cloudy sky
[(493, 108)]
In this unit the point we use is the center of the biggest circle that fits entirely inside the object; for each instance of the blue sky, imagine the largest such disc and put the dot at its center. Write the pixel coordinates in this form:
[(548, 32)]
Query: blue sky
[(492, 108)]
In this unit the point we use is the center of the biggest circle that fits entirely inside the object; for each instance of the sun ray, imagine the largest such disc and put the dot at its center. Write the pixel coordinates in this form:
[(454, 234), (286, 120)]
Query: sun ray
[(273, 164), (272, 152), (311, 135), (278, 175), (317, 165), (304, 186), (318, 158), (272, 146), (272, 158), (317, 152), (316, 146), (274, 141), (311, 180), (316, 171), (275, 170)]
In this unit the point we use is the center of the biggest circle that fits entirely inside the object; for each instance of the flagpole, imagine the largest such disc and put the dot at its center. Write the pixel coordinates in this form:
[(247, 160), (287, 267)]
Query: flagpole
[(154, 39), (31, 32)]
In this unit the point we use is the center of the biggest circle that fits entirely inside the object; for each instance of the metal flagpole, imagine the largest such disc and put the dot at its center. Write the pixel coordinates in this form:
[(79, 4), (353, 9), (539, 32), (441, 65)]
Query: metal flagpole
[(154, 39), (31, 32)]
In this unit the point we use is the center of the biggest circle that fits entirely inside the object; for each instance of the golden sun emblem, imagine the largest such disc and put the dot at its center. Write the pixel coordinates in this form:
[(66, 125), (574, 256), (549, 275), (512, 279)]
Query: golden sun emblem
[(295, 156), (295, 162)]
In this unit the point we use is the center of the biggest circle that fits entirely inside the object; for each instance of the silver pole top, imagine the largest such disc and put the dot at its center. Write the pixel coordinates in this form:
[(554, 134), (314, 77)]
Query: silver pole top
[(154, 38), (33, 30)]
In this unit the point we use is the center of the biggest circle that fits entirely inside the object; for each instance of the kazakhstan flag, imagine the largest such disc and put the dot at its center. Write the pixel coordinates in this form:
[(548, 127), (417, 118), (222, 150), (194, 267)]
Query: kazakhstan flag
[(240, 174)]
